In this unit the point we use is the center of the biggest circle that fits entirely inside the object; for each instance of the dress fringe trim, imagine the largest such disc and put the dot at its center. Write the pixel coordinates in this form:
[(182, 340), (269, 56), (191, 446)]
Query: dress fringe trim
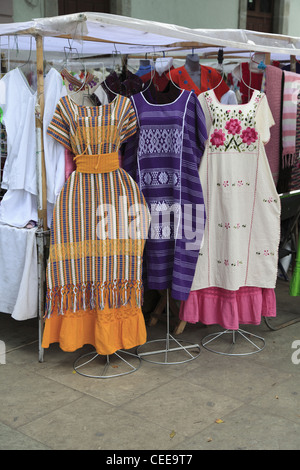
[(90, 296)]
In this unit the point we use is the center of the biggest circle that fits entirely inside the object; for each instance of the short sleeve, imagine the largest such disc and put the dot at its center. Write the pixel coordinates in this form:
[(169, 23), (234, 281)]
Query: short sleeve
[(59, 127), (129, 124), (264, 119)]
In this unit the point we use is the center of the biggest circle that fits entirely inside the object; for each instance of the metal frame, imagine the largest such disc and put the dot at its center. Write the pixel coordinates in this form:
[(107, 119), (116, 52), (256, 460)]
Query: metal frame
[(122, 361), (242, 333), (180, 346)]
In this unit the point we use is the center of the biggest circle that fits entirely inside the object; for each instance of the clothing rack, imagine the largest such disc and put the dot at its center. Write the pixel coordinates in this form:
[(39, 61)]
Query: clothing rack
[(33, 31)]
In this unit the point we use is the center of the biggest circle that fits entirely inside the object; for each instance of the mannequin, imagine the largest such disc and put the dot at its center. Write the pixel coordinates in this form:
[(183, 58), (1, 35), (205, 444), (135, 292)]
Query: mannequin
[(198, 78), (193, 68)]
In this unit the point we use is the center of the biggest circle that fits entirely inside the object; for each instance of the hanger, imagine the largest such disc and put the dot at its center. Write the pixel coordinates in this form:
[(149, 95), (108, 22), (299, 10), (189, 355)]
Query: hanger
[(152, 70), (104, 81), (170, 78), (222, 78), (28, 60), (241, 75), (67, 51)]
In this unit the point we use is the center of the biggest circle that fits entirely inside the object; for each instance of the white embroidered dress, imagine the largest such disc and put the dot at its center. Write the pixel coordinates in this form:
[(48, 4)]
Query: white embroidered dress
[(243, 208)]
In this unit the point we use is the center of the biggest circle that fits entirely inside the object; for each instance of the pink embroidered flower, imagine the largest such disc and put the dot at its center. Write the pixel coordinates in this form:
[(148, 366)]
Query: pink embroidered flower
[(270, 200), (226, 262), (238, 225), (227, 225), (218, 138), (249, 135), (233, 126), (225, 184), (240, 183), (266, 252)]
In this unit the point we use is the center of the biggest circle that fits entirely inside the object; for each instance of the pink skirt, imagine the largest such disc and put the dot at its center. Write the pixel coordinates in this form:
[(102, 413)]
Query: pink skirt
[(227, 308)]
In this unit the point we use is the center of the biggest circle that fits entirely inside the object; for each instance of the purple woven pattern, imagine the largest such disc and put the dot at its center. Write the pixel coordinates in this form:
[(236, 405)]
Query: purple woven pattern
[(164, 158)]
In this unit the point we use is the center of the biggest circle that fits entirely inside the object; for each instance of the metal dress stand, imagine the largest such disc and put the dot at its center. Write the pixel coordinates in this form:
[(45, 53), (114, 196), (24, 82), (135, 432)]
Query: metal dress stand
[(191, 351), (110, 367), (244, 335)]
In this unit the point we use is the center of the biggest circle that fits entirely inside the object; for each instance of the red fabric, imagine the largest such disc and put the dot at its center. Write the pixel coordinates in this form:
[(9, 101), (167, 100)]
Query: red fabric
[(159, 81), (210, 78), (253, 80), (69, 163)]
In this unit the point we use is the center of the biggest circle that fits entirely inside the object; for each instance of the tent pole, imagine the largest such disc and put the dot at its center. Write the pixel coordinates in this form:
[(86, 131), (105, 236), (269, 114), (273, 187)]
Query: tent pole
[(41, 189)]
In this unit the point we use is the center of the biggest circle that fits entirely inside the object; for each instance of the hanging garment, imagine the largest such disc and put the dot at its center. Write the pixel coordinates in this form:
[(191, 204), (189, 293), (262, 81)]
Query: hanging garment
[(294, 182), (273, 90), (144, 69), (229, 98), (160, 81), (19, 204), (210, 78), (294, 287), (94, 283), (164, 158), (251, 80), (241, 238), (126, 85), (18, 273), (291, 90), (85, 90)]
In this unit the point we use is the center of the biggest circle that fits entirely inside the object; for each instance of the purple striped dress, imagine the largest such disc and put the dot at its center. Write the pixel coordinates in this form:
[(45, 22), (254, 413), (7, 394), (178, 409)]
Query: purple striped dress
[(163, 158)]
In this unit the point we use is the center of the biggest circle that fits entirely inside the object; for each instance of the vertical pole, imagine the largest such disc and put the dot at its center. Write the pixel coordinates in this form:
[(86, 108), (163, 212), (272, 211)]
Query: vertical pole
[(41, 188), (268, 58), (41, 169), (293, 63)]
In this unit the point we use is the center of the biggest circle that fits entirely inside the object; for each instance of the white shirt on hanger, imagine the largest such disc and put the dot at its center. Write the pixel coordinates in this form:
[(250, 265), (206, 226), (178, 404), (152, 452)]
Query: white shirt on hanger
[(229, 98), (19, 204)]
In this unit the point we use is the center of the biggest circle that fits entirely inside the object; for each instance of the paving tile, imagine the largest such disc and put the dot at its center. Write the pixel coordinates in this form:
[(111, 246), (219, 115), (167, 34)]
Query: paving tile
[(182, 406), (116, 390), (246, 428), (86, 425), (26, 396), (11, 439), (237, 377), (282, 399)]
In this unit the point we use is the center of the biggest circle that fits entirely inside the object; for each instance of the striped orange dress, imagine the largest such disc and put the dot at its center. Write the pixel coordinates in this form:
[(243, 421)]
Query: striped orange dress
[(98, 232)]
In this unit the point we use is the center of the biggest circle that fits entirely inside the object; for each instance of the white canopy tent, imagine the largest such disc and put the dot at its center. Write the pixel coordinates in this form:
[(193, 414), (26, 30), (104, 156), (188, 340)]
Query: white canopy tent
[(131, 35), (101, 34)]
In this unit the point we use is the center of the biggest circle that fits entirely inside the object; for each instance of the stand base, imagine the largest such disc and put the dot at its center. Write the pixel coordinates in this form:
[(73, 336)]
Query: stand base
[(165, 352), (226, 347), (111, 367)]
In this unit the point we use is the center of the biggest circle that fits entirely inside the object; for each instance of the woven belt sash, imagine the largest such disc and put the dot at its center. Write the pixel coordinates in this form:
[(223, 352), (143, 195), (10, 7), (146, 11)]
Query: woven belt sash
[(102, 163)]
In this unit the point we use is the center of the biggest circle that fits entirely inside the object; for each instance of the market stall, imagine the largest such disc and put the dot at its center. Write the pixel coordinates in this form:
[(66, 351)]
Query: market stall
[(98, 35)]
